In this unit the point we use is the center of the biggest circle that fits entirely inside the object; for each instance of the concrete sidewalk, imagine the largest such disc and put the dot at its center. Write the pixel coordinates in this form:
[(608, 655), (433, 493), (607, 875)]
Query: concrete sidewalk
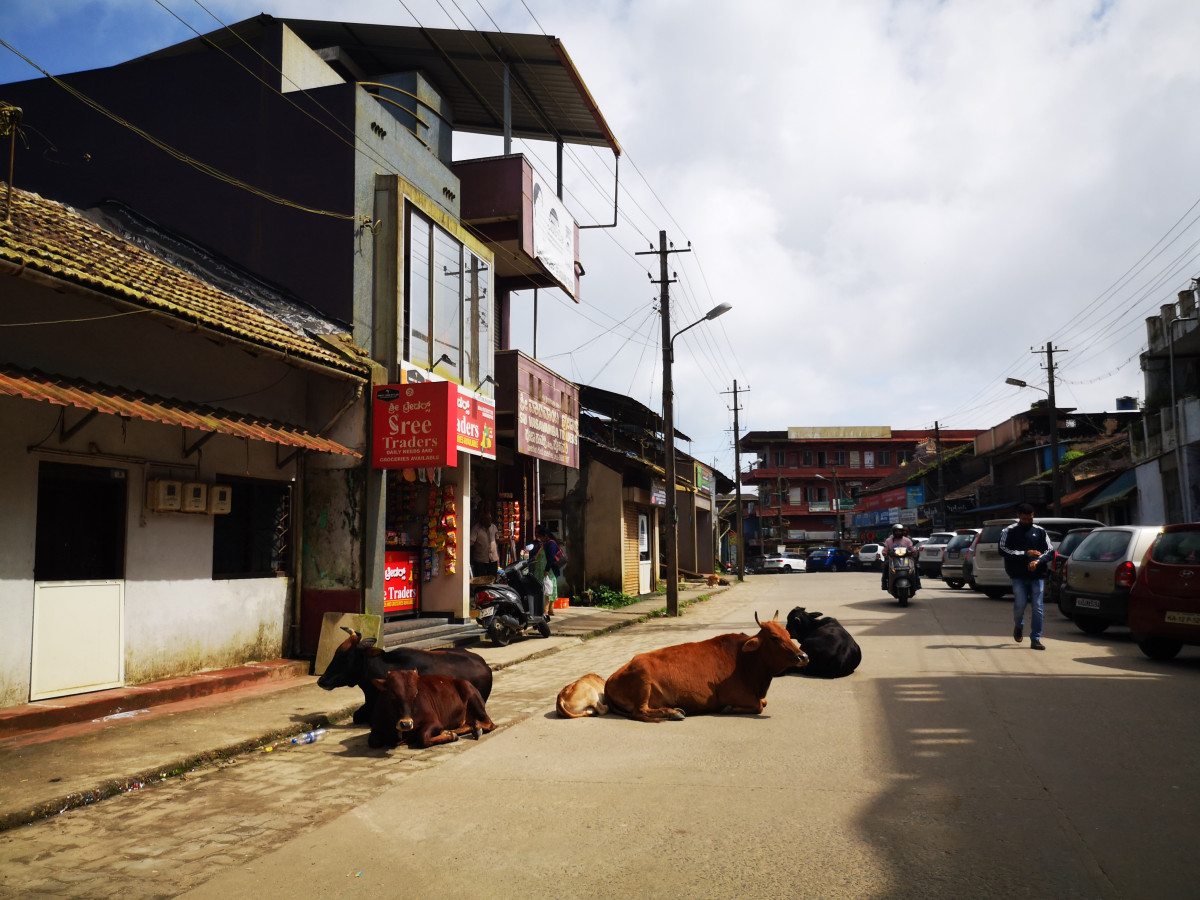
[(70, 752)]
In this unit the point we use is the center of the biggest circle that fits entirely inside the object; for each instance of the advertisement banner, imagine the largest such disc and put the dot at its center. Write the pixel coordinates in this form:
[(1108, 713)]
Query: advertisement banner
[(411, 425), (399, 581), (553, 234), (705, 481), (426, 424), (546, 432)]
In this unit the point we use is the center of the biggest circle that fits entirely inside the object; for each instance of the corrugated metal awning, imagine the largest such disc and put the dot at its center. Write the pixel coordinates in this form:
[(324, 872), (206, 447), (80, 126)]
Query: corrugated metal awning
[(1116, 490), (34, 385)]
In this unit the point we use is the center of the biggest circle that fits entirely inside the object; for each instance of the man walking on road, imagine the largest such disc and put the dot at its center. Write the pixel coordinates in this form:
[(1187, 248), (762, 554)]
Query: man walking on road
[(1026, 548)]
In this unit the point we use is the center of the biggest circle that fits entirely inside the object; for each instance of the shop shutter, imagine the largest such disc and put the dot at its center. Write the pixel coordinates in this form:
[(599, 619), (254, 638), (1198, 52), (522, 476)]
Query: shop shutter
[(629, 549)]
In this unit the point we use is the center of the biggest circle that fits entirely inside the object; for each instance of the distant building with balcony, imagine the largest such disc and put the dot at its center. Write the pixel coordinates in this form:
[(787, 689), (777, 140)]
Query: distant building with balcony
[(806, 479)]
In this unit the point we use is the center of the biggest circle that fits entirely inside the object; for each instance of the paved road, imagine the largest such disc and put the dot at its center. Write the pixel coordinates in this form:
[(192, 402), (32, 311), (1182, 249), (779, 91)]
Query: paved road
[(954, 763)]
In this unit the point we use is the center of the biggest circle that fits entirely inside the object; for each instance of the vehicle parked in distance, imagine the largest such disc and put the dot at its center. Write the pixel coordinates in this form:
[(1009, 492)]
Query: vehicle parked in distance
[(953, 557), (1054, 577), (1164, 605), (1101, 571), (827, 559), (987, 564), (786, 562), (929, 553), (870, 556)]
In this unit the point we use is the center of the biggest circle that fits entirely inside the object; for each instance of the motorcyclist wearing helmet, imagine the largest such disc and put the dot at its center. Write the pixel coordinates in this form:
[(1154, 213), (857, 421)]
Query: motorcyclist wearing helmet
[(899, 538)]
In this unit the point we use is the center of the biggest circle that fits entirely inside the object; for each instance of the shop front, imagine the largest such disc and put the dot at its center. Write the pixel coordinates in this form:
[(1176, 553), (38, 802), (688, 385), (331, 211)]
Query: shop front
[(430, 438)]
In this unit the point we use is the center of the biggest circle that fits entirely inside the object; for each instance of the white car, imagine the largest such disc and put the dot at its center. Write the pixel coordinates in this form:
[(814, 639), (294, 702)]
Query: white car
[(870, 556), (786, 562), (929, 557)]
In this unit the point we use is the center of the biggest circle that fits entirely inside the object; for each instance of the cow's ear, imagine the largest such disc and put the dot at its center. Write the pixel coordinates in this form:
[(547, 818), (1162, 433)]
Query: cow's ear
[(378, 682), (369, 642), (751, 645), (816, 615)]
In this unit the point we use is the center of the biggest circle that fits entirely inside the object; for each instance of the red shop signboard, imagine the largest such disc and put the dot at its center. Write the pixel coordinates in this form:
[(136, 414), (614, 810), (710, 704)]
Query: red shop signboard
[(399, 581), (426, 424)]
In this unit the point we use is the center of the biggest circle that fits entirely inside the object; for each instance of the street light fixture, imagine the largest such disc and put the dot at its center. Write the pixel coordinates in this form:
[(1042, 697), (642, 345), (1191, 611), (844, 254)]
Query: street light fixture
[(1053, 413), (669, 435)]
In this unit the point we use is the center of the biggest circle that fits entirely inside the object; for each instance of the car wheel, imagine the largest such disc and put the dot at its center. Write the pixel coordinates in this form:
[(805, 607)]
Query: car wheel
[(787, 570), (994, 593), (1160, 647), (955, 583), (972, 585), (1091, 624)]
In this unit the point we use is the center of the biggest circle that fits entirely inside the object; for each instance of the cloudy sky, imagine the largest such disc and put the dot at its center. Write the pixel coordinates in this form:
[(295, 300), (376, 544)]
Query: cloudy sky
[(902, 199)]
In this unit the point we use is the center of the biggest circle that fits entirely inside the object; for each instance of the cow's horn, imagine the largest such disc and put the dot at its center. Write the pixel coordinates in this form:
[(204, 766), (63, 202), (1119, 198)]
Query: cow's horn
[(347, 630), (756, 622), (775, 618)]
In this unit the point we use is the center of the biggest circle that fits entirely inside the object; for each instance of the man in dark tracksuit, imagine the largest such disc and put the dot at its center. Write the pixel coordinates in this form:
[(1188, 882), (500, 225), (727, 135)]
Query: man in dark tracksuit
[(1026, 548)]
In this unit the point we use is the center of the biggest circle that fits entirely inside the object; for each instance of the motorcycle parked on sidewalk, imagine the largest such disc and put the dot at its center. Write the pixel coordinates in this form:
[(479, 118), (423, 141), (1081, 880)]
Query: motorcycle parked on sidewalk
[(901, 574), (510, 605)]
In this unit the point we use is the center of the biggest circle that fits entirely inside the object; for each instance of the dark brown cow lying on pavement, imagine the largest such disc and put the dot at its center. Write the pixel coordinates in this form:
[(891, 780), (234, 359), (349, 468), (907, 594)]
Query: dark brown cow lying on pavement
[(831, 651), (359, 662), (425, 710), (584, 697), (727, 673)]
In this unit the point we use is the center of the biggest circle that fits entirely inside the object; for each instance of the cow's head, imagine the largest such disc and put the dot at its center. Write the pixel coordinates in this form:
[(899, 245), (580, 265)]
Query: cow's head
[(399, 689), (801, 623), (775, 646), (343, 668)]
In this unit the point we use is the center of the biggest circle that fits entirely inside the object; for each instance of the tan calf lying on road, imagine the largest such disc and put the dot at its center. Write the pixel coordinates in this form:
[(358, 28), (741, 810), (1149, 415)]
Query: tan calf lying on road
[(584, 697)]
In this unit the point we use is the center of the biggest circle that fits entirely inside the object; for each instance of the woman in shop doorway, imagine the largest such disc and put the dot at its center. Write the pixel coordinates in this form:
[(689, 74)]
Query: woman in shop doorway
[(485, 555), (543, 569)]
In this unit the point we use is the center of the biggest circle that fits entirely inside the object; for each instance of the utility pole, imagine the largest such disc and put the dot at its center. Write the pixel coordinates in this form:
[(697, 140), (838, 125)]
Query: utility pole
[(1053, 425), (672, 515), (737, 483), (937, 448)]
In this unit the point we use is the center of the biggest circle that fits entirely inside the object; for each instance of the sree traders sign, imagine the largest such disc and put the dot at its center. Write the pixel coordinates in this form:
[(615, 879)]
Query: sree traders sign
[(427, 424)]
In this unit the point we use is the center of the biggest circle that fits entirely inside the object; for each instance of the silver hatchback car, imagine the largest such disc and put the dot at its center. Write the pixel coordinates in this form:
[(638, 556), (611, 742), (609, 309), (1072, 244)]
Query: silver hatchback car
[(1099, 574)]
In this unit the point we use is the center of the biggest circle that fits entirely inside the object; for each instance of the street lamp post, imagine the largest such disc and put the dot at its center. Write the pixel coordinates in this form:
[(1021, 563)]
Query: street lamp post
[(837, 505), (669, 439), (1017, 382)]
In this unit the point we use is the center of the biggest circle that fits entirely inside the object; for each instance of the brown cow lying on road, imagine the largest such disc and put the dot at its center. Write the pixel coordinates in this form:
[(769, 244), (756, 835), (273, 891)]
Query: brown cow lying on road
[(425, 710), (727, 673), (584, 697)]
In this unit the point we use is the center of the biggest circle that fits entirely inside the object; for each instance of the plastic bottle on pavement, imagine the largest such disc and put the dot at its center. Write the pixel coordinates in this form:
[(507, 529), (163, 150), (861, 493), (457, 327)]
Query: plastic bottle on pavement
[(308, 737)]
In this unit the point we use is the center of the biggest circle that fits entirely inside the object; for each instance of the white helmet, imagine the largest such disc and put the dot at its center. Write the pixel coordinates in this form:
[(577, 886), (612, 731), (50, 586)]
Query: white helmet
[(898, 527)]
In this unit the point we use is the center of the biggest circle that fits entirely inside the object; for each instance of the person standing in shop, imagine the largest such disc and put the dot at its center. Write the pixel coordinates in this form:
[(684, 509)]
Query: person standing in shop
[(485, 555)]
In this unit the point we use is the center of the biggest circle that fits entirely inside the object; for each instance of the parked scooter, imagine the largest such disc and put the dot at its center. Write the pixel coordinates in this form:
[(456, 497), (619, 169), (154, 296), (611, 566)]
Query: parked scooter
[(508, 606), (902, 577)]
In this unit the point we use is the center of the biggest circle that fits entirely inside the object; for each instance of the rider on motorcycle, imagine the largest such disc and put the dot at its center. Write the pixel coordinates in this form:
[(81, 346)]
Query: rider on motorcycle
[(900, 538)]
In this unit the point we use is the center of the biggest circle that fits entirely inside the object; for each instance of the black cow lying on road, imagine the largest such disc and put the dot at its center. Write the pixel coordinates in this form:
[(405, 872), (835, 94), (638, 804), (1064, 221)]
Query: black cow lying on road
[(831, 652), (359, 662), (425, 710)]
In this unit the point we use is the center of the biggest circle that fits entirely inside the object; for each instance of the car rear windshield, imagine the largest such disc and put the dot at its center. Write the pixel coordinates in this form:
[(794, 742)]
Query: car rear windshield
[(1102, 546), (869, 548), (991, 534), (1070, 542), (960, 540), (1177, 548), (819, 553)]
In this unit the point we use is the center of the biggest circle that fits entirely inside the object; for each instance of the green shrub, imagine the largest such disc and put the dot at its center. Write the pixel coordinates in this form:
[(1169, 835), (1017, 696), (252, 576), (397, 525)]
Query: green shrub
[(603, 597)]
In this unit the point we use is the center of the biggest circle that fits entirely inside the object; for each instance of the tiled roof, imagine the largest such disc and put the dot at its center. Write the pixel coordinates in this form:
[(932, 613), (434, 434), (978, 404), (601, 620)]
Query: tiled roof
[(55, 240), (34, 385)]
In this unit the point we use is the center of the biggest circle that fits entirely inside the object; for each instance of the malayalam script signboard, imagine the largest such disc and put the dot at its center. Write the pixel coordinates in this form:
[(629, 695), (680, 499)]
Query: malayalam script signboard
[(415, 425)]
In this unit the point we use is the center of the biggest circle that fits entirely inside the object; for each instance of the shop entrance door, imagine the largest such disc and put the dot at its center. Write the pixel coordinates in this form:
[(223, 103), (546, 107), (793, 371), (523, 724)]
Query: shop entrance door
[(644, 562), (79, 587)]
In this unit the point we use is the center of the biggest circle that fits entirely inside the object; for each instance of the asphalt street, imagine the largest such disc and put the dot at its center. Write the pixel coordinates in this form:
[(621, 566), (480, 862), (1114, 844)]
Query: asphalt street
[(954, 763)]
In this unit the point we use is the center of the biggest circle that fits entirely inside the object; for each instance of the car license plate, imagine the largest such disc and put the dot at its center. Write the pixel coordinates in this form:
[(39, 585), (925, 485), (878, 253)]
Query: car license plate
[(1087, 603), (1182, 618)]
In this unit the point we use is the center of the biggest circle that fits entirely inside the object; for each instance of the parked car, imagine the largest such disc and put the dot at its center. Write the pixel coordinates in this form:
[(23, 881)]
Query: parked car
[(786, 562), (1054, 578), (827, 559), (1164, 605), (953, 557), (987, 564), (929, 553), (1099, 573), (870, 556)]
